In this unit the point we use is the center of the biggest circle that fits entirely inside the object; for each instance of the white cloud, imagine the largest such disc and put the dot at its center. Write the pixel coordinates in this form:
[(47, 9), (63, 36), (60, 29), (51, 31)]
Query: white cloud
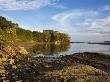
[(24, 4), (101, 23), (74, 19), (105, 8), (65, 17), (60, 6), (83, 22), (101, 26)]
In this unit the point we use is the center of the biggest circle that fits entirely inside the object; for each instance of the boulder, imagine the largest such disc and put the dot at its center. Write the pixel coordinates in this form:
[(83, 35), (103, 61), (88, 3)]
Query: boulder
[(22, 50), (8, 50)]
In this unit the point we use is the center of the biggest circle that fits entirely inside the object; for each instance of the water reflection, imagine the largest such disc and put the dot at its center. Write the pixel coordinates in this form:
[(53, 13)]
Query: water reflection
[(67, 49), (49, 49)]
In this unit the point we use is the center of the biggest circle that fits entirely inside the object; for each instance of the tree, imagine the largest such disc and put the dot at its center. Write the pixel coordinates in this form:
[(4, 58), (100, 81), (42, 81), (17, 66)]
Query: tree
[(10, 31), (37, 36), (24, 35), (48, 35)]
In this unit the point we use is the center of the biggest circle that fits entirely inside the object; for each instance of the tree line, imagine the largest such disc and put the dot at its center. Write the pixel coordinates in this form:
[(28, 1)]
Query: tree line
[(10, 31)]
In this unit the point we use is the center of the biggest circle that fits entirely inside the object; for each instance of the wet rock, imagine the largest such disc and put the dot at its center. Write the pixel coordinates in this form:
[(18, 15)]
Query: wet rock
[(45, 65), (81, 72)]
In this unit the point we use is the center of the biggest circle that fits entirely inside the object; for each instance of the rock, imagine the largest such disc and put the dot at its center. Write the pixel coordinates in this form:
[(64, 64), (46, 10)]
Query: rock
[(9, 50), (19, 81), (14, 66), (5, 80), (47, 65), (2, 70), (22, 50), (11, 61), (4, 59), (81, 73)]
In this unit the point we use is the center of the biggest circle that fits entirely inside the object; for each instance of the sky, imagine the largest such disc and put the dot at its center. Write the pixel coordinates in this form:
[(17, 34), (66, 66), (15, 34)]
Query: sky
[(83, 20)]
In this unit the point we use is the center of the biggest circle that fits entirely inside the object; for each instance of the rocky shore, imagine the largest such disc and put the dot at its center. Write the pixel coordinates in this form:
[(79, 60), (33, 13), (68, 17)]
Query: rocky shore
[(17, 65), (81, 67)]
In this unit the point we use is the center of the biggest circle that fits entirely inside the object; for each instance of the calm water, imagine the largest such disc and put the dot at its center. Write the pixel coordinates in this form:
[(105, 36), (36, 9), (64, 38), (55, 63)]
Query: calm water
[(67, 49), (84, 47)]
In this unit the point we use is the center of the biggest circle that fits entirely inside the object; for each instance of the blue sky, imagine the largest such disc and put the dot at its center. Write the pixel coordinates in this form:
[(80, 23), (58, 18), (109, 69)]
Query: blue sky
[(83, 20)]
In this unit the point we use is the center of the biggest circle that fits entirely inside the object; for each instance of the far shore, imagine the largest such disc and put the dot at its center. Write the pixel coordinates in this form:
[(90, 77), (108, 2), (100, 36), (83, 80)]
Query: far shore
[(103, 43), (77, 42)]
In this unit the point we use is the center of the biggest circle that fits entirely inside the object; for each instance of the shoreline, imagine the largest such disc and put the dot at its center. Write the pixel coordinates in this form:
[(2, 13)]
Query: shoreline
[(102, 43), (82, 58), (89, 63), (23, 67), (87, 60)]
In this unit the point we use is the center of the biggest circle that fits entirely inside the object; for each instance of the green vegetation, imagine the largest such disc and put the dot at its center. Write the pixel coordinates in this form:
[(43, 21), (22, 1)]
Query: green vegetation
[(7, 29), (10, 31)]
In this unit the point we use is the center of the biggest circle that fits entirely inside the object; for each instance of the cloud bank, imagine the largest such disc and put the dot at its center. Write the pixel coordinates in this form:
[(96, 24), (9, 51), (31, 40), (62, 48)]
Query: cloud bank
[(25, 4), (105, 8), (84, 22)]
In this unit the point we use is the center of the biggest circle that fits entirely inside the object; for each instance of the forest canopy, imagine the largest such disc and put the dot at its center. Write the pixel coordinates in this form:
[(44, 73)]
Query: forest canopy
[(10, 31)]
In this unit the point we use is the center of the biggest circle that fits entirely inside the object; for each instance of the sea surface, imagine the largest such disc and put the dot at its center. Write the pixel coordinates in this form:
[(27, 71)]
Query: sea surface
[(52, 50), (85, 47)]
